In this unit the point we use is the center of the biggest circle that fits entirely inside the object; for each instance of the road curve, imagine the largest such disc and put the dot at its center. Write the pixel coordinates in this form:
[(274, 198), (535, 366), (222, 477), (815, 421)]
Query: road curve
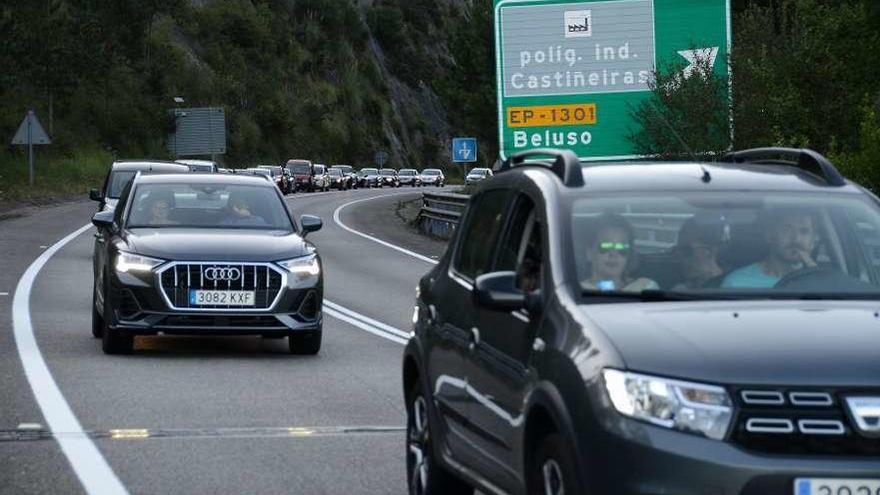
[(185, 415)]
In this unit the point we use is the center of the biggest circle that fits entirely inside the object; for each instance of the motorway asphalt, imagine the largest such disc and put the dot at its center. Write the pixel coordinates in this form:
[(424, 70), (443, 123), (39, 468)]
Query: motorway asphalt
[(221, 415)]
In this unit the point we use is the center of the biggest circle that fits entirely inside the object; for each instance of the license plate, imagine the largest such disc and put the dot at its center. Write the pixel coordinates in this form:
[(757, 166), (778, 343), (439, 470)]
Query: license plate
[(836, 486), (222, 298)]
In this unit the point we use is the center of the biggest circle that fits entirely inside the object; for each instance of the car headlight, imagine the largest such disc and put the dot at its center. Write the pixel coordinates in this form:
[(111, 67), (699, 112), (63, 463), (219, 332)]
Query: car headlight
[(130, 262), (690, 407), (304, 267)]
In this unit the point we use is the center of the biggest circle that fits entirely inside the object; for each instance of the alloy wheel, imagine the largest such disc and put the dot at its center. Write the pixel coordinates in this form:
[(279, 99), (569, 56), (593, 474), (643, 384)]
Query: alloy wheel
[(551, 477), (418, 447)]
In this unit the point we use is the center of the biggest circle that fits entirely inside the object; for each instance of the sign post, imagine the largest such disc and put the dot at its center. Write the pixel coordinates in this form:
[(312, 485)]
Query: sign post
[(464, 151), (381, 158), (569, 72), (197, 131), (30, 132)]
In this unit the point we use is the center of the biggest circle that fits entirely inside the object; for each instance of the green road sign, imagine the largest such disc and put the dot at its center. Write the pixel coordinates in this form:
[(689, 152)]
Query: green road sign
[(568, 72)]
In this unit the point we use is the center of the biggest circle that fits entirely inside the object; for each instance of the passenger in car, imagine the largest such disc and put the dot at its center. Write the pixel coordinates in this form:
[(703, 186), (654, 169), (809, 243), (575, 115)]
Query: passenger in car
[(699, 240), (791, 238), (612, 259)]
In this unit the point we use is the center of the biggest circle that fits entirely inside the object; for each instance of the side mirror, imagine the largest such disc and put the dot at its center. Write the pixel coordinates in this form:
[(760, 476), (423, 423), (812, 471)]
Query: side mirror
[(310, 223), (103, 219), (497, 291), (95, 195)]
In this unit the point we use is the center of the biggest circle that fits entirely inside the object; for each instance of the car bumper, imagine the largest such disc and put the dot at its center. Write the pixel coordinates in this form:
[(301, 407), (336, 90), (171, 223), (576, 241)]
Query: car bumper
[(633, 458), (139, 308)]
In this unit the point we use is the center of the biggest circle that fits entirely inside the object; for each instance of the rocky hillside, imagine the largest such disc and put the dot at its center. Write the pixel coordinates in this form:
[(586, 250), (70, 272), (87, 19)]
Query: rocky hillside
[(333, 80)]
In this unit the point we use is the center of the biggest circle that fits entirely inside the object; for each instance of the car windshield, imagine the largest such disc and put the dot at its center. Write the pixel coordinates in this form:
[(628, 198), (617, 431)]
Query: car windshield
[(300, 169), (345, 169), (118, 180), (369, 171), (220, 206), (431, 172), (201, 168), (386, 172), (407, 172), (478, 172), (727, 245), (334, 172)]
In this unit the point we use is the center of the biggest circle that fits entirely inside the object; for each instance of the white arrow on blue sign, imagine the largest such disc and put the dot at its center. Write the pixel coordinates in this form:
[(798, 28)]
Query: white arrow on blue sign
[(464, 150)]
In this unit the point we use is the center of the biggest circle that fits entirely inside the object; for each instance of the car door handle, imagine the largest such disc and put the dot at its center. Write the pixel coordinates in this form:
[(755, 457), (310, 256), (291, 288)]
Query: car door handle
[(475, 339)]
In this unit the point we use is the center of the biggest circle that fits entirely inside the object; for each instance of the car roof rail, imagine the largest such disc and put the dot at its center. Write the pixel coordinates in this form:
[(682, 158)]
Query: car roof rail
[(564, 163), (802, 158)]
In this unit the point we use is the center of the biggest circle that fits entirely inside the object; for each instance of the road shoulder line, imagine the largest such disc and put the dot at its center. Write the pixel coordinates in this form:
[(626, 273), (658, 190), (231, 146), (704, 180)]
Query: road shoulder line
[(387, 244), (87, 462)]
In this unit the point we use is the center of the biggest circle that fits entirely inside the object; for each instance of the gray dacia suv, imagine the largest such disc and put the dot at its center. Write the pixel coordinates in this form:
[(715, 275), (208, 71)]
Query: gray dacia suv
[(652, 328)]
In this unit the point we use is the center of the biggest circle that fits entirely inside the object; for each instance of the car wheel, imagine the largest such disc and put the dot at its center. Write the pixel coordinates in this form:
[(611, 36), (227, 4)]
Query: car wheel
[(305, 343), (97, 318), (113, 342), (425, 476), (552, 470)]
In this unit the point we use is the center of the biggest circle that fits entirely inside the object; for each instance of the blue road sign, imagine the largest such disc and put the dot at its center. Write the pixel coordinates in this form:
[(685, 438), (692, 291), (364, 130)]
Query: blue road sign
[(464, 150)]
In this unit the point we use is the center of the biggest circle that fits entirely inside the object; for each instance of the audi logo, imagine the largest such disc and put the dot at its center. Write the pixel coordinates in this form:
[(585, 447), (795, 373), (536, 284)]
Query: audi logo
[(222, 274)]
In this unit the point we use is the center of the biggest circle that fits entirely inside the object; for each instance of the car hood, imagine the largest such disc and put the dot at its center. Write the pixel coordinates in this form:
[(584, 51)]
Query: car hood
[(216, 245), (820, 343)]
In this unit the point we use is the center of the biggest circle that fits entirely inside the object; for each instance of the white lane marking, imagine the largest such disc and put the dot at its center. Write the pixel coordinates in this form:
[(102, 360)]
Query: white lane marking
[(363, 326), (84, 457), (374, 239), (367, 320)]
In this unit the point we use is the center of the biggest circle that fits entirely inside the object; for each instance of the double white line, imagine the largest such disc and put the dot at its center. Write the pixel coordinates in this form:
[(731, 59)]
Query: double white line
[(366, 323)]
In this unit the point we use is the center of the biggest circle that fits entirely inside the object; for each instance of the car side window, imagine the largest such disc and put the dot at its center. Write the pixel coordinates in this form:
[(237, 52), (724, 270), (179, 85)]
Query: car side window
[(484, 224), (521, 249)]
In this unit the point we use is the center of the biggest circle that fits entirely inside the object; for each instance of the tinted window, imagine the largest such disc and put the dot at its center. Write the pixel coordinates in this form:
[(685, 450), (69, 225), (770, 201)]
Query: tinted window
[(334, 172), (118, 180), (735, 243), (485, 220), (207, 206), (301, 169), (521, 249)]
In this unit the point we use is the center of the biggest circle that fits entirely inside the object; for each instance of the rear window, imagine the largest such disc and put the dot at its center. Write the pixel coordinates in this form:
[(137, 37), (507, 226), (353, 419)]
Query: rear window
[(118, 180)]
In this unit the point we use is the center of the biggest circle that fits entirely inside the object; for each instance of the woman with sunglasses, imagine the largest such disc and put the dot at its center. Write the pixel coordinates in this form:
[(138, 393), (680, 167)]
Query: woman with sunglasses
[(612, 259)]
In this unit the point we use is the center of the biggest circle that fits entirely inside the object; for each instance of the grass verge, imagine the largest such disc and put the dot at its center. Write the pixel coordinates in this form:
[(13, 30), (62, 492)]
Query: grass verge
[(54, 176)]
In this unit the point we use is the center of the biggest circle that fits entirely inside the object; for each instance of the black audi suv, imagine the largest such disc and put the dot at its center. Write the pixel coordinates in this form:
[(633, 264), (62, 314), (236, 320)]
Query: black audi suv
[(652, 328), (205, 254)]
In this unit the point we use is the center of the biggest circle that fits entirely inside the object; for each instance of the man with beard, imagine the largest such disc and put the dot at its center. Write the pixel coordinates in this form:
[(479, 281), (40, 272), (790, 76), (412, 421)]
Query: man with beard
[(791, 238)]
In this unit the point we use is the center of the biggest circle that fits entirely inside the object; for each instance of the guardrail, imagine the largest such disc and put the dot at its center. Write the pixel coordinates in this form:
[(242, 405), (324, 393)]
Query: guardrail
[(440, 213)]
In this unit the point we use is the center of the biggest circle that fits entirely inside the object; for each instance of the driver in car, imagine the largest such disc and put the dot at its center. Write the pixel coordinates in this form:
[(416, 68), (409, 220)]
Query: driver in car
[(791, 238), (240, 214)]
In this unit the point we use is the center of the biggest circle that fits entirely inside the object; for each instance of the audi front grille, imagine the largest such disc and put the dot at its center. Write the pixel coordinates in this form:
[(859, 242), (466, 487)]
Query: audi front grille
[(264, 279)]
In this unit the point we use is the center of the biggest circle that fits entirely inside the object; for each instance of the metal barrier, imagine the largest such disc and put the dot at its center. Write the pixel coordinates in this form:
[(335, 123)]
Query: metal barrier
[(440, 213)]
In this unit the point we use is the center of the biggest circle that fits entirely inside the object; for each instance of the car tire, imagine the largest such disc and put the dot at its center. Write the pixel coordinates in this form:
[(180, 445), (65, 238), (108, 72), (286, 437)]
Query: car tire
[(425, 475), (552, 468), (97, 318), (113, 342), (305, 343)]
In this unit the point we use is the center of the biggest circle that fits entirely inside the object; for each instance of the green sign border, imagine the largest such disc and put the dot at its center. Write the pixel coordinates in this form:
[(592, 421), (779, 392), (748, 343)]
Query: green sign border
[(500, 83)]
